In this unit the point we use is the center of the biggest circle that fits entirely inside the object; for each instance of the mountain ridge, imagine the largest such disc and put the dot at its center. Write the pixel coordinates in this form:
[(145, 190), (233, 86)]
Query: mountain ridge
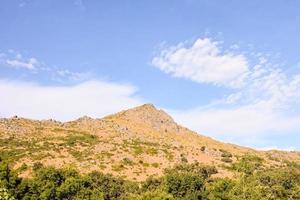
[(134, 143)]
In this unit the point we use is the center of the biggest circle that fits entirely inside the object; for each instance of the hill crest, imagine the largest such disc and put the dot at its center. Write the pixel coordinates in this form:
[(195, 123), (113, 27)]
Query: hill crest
[(135, 143)]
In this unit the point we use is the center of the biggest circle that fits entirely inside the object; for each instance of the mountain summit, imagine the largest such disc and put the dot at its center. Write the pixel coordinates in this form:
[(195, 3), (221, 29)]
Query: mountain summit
[(135, 144), (147, 115)]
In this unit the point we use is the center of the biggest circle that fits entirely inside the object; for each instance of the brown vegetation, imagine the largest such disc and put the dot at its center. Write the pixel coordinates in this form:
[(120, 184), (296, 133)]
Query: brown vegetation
[(133, 144)]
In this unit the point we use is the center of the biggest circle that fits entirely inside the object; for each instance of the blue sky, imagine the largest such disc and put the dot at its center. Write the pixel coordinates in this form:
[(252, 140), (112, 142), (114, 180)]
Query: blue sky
[(229, 70)]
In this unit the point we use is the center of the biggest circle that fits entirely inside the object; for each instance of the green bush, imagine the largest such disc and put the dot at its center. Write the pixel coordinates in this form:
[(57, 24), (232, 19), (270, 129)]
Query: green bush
[(205, 171), (152, 184), (181, 185), (225, 154), (248, 164), (4, 194), (219, 189), (112, 187)]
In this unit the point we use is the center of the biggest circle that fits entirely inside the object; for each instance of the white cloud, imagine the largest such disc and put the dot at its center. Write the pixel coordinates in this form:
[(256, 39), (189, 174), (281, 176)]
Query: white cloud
[(60, 75), (241, 121), (92, 98), (16, 60), (268, 104), (267, 101), (203, 62), (30, 64), (249, 125)]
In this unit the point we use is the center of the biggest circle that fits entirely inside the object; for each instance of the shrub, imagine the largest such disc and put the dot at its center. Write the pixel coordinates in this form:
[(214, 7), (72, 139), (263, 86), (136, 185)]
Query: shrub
[(37, 166), (182, 184), (152, 183), (4, 194), (205, 171), (23, 167), (111, 187), (183, 158), (152, 195), (8, 177), (225, 154), (219, 189), (203, 148), (127, 161), (248, 164), (226, 160), (156, 165), (118, 167)]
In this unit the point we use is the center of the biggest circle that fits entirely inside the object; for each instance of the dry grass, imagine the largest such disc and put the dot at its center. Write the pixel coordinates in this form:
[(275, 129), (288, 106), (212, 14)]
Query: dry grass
[(135, 144)]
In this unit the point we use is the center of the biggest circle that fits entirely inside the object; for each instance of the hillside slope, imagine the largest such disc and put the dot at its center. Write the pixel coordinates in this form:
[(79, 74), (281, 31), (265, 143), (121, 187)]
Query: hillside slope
[(133, 144)]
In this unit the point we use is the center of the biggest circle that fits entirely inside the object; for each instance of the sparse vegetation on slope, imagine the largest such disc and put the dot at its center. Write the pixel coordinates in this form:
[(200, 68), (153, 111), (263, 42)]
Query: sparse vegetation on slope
[(141, 146)]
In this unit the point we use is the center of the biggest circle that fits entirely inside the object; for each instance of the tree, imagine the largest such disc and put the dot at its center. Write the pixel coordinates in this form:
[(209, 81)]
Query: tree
[(8, 178), (4, 194), (219, 189), (182, 184)]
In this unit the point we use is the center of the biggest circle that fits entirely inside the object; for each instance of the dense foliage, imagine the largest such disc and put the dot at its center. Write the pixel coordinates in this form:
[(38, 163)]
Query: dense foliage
[(183, 182)]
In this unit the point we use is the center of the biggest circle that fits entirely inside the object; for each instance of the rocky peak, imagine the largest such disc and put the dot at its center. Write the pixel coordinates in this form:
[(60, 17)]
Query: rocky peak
[(150, 112), (84, 122), (85, 119), (149, 115)]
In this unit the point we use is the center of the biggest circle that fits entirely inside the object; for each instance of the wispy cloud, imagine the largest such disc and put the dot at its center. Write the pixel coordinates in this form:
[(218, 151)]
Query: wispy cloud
[(82, 95), (30, 64), (265, 102), (17, 61), (79, 4), (205, 62), (22, 3), (61, 75), (92, 98)]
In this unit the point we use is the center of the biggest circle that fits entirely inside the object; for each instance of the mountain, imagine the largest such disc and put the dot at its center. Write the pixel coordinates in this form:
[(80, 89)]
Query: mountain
[(133, 144)]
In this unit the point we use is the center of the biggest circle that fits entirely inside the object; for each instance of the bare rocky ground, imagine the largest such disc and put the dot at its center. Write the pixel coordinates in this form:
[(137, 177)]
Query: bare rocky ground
[(133, 144)]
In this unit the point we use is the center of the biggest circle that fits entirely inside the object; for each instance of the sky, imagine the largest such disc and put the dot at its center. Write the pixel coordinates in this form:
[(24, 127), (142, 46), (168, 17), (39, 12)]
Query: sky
[(226, 69)]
